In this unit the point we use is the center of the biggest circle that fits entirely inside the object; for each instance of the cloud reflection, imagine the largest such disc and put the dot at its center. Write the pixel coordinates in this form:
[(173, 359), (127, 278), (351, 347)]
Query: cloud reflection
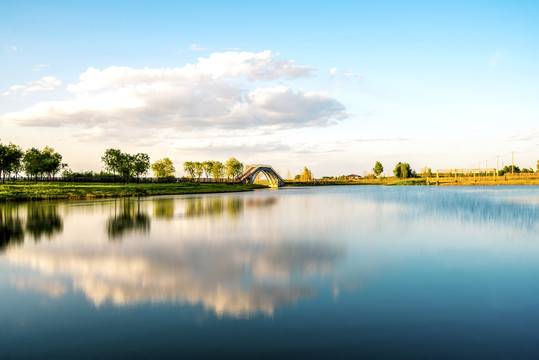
[(230, 279), (52, 288), (238, 277)]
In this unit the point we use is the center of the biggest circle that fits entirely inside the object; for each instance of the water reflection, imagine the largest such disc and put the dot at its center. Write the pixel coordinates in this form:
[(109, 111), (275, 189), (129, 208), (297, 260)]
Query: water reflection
[(43, 220), (275, 252), (213, 206), (233, 206), (230, 279), (516, 208), (11, 229), (252, 273), (127, 217), (163, 208)]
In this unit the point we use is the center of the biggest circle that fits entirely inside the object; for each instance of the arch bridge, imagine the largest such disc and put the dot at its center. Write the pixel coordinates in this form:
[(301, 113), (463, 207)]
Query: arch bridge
[(250, 174)]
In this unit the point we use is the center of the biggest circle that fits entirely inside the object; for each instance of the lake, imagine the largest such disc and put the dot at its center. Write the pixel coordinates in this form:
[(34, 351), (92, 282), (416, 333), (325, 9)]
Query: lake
[(324, 272)]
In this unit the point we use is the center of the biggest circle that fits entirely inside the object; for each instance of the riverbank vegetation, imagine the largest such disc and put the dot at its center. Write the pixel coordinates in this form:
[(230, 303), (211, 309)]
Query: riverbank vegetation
[(44, 165), (214, 169), (27, 191), (445, 180)]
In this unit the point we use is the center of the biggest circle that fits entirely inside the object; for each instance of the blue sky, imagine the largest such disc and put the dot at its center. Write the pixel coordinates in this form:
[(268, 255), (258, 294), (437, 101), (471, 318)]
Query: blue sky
[(335, 85)]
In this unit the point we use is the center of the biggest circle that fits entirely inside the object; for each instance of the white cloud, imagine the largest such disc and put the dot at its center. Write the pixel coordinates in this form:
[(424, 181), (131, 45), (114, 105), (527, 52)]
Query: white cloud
[(39, 67), (344, 77), (209, 94), (46, 83), (13, 48), (196, 47), (351, 75)]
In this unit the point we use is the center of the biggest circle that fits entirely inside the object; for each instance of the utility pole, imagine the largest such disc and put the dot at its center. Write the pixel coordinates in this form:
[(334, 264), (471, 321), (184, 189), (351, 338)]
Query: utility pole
[(512, 162), (497, 163)]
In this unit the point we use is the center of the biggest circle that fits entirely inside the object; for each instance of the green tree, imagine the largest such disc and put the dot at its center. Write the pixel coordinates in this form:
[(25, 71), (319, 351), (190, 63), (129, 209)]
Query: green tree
[(32, 162), (124, 164), (509, 169), (217, 169), (189, 168), (51, 161), (163, 168), (378, 168), (15, 155), (199, 169), (10, 160), (4, 161), (111, 160), (141, 164), (306, 174), (207, 168), (403, 171), (233, 168)]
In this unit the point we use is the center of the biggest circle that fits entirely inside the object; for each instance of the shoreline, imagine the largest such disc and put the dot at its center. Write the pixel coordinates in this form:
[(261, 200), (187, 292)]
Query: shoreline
[(32, 191), (421, 182), (25, 192)]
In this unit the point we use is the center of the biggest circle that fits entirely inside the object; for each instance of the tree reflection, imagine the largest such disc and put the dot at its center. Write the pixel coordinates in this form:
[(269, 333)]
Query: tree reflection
[(234, 206), (163, 208), (261, 202), (11, 229), (43, 220), (127, 217), (210, 206), (215, 206)]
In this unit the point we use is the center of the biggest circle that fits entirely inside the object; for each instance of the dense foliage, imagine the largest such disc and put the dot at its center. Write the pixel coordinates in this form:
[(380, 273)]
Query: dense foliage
[(377, 169), (10, 160), (403, 171), (38, 163), (163, 168), (509, 169), (232, 168), (126, 165)]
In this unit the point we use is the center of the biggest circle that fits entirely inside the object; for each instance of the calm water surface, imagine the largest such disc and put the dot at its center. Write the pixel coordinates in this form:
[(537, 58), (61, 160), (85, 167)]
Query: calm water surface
[(329, 272)]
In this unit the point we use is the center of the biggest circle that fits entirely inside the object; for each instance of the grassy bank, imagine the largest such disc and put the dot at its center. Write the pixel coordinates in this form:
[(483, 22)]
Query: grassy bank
[(26, 191), (442, 181)]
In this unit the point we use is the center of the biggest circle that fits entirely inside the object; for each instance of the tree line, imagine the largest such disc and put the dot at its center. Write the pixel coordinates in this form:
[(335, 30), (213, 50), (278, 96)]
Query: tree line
[(47, 163), (35, 163), (215, 169)]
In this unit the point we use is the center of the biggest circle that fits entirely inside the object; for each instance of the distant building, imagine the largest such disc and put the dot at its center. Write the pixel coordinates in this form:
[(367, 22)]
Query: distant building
[(353, 176)]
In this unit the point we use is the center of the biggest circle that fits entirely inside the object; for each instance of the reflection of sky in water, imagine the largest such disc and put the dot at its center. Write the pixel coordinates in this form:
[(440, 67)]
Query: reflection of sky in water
[(382, 253), (184, 256)]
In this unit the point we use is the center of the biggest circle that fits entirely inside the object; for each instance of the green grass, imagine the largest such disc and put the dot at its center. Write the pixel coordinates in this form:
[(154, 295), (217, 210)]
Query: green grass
[(407, 182), (444, 181), (26, 191)]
